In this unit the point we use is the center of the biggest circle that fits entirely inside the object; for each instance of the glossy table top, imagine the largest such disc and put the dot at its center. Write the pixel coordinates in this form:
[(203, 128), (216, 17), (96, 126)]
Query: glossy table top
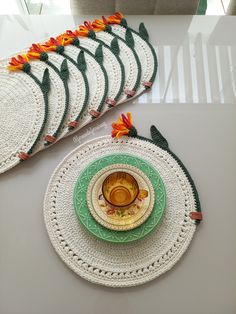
[(193, 103)]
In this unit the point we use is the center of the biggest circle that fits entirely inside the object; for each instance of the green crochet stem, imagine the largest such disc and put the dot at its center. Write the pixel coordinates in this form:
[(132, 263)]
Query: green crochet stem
[(45, 88), (64, 79), (160, 141), (82, 71), (76, 43), (116, 54), (144, 35)]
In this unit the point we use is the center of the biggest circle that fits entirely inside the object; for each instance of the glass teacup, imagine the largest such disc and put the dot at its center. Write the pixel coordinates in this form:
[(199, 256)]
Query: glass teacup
[(120, 190)]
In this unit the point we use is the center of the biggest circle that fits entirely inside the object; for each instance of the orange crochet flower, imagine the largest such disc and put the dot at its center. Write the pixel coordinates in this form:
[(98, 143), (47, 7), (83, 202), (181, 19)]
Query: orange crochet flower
[(66, 38), (115, 19), (122, 126), (100, 25), (35, 51), (52, 44), (17, 63), (83, 30)]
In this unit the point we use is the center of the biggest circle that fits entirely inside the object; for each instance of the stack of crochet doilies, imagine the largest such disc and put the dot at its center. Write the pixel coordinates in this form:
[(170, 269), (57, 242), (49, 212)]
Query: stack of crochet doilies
[(151, 249), (54, 88)]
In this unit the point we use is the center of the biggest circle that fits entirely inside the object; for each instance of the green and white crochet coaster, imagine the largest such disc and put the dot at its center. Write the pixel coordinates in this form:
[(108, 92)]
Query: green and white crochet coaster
[(22, 109), (120, 264), (84, 215)]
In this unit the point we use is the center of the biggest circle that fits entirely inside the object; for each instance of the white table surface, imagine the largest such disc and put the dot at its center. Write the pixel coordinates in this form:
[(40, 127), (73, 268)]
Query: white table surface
[(193, 104)]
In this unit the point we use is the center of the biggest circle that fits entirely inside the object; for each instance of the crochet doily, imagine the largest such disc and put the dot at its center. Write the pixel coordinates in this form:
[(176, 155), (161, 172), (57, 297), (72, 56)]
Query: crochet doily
[(119, 265), (22, 113), (128, 59), (111, 65), (144, 53)]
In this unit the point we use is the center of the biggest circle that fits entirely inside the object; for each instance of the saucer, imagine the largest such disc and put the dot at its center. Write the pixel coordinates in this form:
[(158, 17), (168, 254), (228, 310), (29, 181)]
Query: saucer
[(119, 219)]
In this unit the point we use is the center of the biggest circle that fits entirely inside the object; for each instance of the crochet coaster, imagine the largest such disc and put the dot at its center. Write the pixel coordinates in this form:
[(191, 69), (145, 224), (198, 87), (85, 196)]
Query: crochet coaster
[(23, 113), (129, 264)]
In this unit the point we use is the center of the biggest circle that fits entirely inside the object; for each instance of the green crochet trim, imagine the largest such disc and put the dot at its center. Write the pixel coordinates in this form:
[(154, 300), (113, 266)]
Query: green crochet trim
[(45, 88), (76, 43), (129, 44), (63, 73), (159, 140), (115, 50)]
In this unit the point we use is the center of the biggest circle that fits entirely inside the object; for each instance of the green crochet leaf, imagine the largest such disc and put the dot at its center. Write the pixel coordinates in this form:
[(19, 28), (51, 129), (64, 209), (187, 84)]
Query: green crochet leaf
[(158, 139), (81, 61), (115, 46), (99, 54), (143, 32), (64, 70), (129, 38), (46, 81)]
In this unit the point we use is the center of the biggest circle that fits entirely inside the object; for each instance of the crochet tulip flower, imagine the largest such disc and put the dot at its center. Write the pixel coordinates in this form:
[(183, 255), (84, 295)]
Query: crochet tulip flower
[(67, 38), (123, 126), (85, 30), (20, 62), (115, 19), (55, 44), (36, 51), (100, 25)]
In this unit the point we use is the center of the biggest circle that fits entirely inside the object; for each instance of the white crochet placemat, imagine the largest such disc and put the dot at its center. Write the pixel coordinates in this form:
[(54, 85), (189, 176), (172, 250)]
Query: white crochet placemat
[(119, 265), (56, 101), (93, 71), (56, 97), (76, 88), (128, 59), (144, 53), (96, 82), (22, 110), (111, 65)]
